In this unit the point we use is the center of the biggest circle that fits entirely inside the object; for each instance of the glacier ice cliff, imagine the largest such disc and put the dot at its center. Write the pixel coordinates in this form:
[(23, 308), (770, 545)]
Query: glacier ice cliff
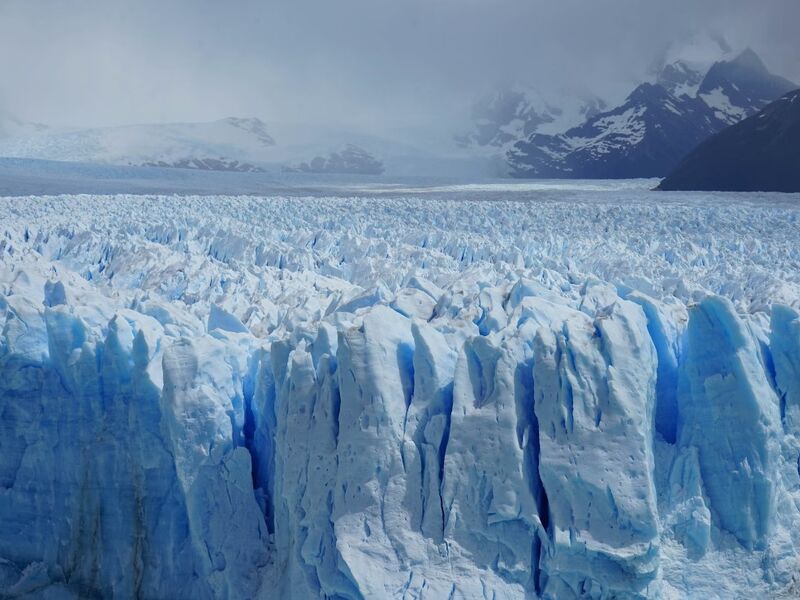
[(313, 407)]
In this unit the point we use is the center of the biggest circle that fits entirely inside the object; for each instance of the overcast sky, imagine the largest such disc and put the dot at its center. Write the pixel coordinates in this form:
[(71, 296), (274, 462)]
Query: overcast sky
[(369, 64)]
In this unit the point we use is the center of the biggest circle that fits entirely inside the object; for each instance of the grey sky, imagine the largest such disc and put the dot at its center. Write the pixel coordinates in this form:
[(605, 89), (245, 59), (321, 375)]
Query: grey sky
[(369, 64)]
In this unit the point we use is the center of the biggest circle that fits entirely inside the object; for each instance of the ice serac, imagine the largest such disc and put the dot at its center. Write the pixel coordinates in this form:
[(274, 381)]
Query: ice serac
[(594, 383), (689, 519), (785, 351), (665, 331), (489, 492), (87, 465), (428, 424), (372, 504), (114, 487), (306, 409), (729, 413), (320, 548), (203, 417)]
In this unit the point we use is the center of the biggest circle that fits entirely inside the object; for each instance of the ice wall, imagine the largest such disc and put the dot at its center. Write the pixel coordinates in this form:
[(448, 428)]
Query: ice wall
[(377, 455)]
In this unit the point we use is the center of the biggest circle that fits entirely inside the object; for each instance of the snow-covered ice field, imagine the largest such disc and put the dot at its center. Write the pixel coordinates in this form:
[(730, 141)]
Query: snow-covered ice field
[(558, 390)]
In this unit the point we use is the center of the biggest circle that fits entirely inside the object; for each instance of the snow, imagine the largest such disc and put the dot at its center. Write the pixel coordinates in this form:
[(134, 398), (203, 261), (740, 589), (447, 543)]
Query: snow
[(552, 390), (240, 144), (719, 102), (686, 90), (231, 138), (671, 108), (681, 79), (614, 131), (628, 125)]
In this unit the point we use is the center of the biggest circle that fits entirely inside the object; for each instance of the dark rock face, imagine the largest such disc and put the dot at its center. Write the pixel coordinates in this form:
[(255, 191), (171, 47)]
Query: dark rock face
[(680, 79), (206, 164), (747, 85), (350, 160), (656, 126), (254, 126), (651, 129), (761, 153)]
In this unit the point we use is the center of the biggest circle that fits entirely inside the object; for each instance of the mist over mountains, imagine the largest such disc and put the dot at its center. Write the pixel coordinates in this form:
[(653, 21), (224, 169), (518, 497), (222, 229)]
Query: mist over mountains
[(648, 134), (422, 89)]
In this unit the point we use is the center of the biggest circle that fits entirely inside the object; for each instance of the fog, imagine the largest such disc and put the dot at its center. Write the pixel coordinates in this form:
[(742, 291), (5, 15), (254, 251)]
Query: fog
[(371, 65)]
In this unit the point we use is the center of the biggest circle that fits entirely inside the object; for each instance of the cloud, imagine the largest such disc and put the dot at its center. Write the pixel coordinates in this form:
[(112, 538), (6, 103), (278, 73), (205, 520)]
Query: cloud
[(369, 64)]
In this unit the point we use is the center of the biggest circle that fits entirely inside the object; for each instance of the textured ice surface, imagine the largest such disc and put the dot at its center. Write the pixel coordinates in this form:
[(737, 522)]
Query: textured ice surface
[(562, 397)]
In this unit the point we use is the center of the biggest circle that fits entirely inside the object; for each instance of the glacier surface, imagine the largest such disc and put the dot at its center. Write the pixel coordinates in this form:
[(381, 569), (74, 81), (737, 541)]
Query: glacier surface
[(575, 396)]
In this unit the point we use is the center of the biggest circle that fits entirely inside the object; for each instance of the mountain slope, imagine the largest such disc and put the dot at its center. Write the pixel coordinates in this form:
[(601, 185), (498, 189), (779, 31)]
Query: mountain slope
[(739, 88), (650, 129), (680, 79), (228, 144), (685, 61), (236, 144), (502, 118), (656, 126), (761, 153)]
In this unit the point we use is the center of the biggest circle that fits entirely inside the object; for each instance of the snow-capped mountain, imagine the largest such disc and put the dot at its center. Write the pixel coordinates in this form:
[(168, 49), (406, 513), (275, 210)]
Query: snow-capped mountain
[(680, 79), (683, 64), (650, 129), (657, 124), (227, 144), (741, 87), (236, 144), (502, 118), (760, 153)]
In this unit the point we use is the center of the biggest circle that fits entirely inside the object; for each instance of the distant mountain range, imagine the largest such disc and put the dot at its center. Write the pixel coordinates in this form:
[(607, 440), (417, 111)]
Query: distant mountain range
[(205, 164), (760, 153), (232, 144), (649, 133), (228, 144), (696, 90)]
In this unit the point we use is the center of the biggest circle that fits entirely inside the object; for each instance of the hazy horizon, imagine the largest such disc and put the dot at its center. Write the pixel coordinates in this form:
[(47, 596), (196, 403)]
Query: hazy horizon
[(375, 67)]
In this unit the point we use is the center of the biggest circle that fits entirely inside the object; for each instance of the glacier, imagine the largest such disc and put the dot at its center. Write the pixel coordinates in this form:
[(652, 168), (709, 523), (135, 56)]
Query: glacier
[(572, 393)]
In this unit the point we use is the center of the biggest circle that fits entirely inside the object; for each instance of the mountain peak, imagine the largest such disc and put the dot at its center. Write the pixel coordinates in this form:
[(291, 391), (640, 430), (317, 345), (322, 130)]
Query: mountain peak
[(748, 59), (680, 79), (646, 92), (245, 121), (657, 124), (254, 126), (741, 87)]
